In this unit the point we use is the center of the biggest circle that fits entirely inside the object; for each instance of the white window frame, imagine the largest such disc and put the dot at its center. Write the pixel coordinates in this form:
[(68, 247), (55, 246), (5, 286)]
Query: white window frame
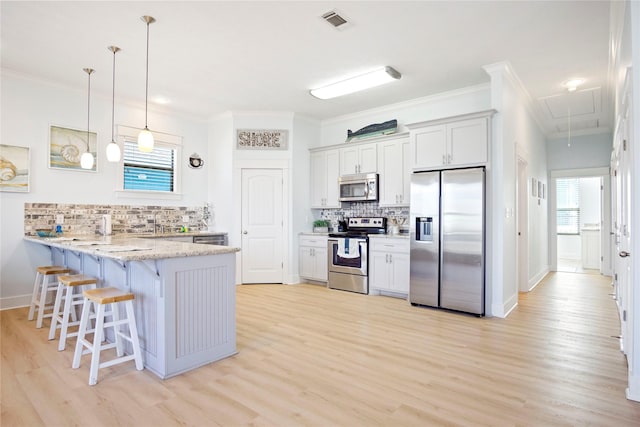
[(126, 133)]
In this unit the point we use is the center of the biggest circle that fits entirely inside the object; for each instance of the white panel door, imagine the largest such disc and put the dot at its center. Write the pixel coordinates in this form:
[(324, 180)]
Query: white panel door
[(262, 226)]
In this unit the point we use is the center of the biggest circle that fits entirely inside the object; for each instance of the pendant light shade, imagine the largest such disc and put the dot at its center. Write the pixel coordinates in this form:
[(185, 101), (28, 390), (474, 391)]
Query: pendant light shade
[(87, 160), (145, 137), (113, 150)]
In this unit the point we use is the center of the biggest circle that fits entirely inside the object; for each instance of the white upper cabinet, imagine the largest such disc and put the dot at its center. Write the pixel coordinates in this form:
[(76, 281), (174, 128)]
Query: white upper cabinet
[(325, 169), (359, 159), (395, 171), (453, 142)]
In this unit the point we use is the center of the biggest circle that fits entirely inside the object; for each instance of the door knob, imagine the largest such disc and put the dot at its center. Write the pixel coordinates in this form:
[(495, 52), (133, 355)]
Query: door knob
[(245, 232), (624, 254)]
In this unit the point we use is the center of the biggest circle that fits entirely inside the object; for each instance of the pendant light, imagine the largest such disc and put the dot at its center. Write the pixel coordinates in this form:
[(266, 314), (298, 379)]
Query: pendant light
[(145, 137), (113, 150), (87, 160), (569, 127)]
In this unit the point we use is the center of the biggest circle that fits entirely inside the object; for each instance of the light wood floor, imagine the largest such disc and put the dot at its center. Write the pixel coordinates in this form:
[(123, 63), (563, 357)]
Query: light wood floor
[(312, 356)]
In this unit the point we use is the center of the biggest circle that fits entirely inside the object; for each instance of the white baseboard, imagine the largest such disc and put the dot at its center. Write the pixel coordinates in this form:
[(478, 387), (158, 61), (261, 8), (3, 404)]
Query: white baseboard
[(535, 280), (633, 391), (15, 302)]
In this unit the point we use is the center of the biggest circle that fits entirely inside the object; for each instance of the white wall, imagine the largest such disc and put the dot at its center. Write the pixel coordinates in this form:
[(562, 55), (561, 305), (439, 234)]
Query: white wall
[(586, 151), (229, 162), (515, 134), (28, 108)]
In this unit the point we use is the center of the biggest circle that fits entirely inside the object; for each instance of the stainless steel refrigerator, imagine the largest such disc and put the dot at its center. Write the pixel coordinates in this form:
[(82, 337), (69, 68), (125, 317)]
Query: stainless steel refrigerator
[(448, 239)]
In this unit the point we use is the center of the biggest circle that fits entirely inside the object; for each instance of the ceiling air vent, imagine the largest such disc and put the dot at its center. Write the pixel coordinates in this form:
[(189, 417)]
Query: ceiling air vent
[(334, 19)]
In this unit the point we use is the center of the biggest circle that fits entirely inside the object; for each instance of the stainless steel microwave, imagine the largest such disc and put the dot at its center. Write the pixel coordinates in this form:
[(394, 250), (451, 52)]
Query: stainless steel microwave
[(360, 187)]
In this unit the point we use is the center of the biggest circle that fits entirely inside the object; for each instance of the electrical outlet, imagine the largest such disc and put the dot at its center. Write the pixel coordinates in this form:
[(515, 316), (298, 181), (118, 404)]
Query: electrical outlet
[(60, 219), (185, 219)]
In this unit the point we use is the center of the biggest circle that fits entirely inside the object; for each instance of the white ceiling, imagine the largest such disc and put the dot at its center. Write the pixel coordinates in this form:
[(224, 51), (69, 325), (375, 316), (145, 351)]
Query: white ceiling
[(207, 57)]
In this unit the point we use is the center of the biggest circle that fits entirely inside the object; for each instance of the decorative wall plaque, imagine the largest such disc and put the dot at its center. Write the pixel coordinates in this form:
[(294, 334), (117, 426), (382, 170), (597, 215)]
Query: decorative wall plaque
[(264, 139)]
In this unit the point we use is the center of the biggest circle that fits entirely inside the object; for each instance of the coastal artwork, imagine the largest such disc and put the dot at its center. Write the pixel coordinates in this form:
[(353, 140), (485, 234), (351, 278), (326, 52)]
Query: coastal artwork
[(263, 139), (14, 168), (375, 129), (66, 146)]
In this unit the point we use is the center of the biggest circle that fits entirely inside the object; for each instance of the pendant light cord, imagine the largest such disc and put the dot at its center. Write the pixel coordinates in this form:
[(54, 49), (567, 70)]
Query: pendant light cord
[(113, 94), (146, 92), (88, 106)]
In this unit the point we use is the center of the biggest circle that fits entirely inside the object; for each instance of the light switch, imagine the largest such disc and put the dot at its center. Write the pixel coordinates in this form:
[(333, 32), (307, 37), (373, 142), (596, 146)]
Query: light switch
[(60, 219)]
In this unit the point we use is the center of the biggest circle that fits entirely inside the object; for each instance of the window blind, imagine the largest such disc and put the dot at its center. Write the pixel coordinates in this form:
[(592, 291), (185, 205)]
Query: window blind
[(152, 171), (568, 205)]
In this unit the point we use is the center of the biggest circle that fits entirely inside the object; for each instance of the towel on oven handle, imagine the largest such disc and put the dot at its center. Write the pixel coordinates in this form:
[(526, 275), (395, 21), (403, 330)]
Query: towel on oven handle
[(348, 249)]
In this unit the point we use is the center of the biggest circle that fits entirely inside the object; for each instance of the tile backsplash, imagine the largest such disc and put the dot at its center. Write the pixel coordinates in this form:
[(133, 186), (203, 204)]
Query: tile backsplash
[(87, 219), (365, 209)]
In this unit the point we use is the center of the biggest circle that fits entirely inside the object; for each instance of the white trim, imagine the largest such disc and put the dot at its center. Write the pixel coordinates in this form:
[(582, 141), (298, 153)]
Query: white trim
[(535, 280), (141, 194), (8, 303)]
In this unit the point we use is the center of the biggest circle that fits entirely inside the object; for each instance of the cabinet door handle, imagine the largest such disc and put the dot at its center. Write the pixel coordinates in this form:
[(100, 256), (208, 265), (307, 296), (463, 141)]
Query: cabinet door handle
[(444, 160), (449, 159), (390, 258), (624, 254), (386, 258)]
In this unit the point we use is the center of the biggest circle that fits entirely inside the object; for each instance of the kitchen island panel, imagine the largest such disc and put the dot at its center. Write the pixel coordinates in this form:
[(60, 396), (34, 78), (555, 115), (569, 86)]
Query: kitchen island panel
[(184, 298)]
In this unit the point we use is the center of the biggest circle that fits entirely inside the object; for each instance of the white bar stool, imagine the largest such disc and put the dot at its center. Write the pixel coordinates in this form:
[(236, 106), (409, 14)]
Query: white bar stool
[(60, 318), (100, 297), (41, 288)]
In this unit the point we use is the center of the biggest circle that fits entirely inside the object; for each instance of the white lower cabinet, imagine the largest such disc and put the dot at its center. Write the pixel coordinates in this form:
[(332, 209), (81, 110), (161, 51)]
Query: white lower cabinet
[(312, 259), (389, 265)]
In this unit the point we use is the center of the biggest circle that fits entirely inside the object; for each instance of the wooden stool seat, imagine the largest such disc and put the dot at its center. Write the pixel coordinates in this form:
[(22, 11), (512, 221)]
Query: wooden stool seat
[(77, 280), (60, 318), (52, 269), (100, 298), (107, 295), (42, 285)]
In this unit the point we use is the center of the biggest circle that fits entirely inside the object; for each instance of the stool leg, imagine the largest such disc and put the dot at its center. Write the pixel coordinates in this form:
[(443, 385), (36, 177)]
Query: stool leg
[(80, 343), (116, 329), (43, 300), (56, 310), (34, 296), (133, 331), (97, 344), (68, 307)]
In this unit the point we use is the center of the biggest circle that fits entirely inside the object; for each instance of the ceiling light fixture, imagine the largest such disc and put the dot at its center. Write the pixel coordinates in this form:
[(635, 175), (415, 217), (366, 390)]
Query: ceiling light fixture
[(573, 84), (355, 84), (87, 160), (113, 150), (145, 137)]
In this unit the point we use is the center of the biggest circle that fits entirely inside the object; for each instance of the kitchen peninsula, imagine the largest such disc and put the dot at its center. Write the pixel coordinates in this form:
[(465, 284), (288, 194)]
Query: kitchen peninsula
[(185, 293)]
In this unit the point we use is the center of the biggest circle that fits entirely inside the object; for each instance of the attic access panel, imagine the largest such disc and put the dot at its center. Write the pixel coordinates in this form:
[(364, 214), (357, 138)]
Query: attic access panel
[(583, 102)]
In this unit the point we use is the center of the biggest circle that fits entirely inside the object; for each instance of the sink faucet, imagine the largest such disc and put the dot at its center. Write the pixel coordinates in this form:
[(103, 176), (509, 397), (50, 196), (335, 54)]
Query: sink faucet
[(156, 225)]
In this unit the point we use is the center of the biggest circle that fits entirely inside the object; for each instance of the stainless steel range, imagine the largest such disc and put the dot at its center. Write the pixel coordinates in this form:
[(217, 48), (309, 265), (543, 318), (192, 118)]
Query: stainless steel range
[(348, 254)]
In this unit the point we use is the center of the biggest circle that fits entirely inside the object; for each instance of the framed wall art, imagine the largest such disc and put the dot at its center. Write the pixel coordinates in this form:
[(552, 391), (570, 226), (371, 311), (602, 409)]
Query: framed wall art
[(14, 168), (67, 145), (262, 139)]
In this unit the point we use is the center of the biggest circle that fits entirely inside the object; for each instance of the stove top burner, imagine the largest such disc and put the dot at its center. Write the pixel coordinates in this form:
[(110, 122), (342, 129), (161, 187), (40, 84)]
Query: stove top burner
[(362, 227)]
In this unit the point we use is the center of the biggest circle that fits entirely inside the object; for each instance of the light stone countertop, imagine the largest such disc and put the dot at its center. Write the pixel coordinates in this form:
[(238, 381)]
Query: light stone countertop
[(389, 236), (311, 233), (127, 248)]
